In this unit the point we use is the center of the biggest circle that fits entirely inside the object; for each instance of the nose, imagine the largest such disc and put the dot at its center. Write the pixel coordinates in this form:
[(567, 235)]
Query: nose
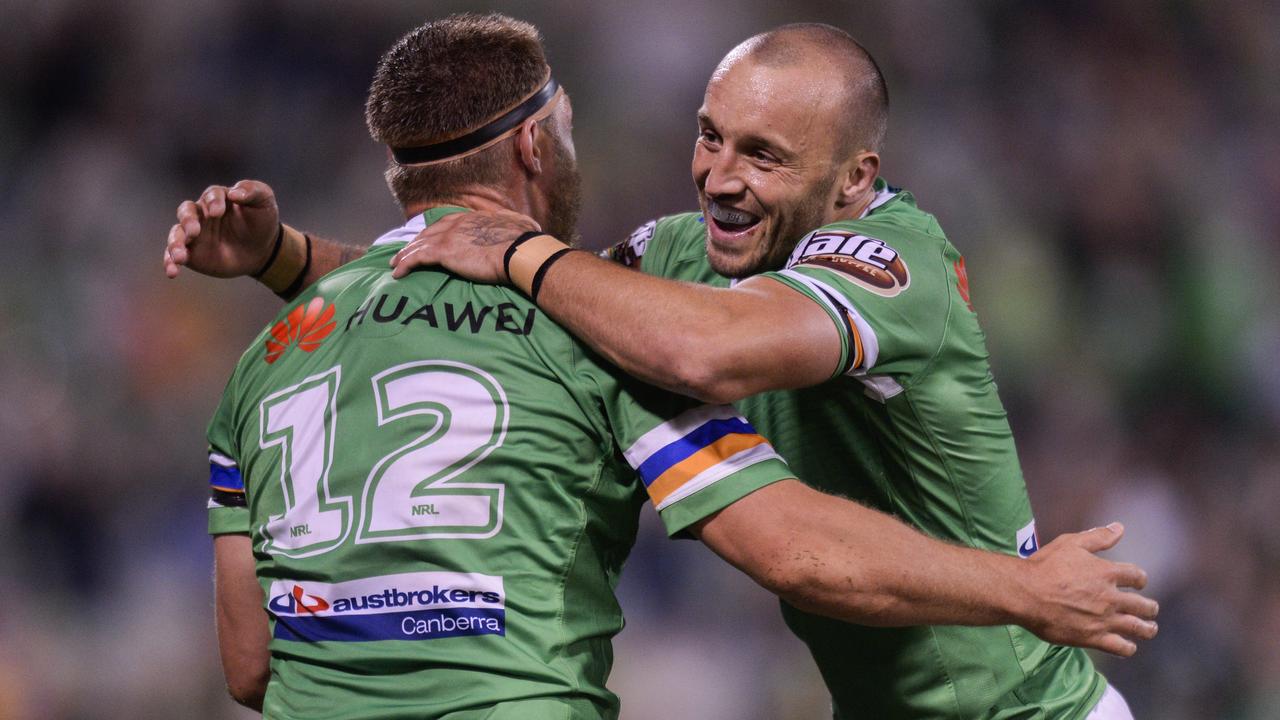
[(724, 175)]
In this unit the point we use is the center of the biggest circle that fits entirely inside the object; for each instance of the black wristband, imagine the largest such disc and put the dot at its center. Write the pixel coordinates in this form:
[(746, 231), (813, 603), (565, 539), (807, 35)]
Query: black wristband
[(275, 252), (536, 285), (296, 285), (511, 250)]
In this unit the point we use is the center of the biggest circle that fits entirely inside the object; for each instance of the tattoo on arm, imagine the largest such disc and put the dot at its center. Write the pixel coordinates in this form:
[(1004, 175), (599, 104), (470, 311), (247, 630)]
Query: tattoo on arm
[(485, 231)]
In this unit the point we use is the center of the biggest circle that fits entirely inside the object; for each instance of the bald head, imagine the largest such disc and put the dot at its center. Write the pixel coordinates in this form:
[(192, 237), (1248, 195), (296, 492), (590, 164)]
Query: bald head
[(837, 60)]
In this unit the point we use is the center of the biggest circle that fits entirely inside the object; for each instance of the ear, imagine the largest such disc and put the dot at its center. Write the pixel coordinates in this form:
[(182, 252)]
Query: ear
[(859, 176), (527, 145)]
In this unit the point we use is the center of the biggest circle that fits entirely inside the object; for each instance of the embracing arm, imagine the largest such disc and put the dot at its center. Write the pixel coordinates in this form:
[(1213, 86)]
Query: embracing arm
[(719, 345), (243, 635), (715, 344), (236, 231), (834, 557)]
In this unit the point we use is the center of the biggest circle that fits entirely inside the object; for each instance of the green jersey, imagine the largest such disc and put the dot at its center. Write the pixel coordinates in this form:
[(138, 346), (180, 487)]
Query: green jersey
[(910, 423), (441, 486)]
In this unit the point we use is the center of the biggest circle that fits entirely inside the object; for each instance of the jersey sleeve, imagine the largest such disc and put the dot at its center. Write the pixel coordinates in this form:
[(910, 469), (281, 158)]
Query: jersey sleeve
[(228, 510), (693, 459), (889, 303), (630, 252)]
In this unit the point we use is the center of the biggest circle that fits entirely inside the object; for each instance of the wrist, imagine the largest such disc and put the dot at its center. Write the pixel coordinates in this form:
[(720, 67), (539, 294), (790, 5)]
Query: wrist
[(526, 266), (289, 260), (1020, 602)]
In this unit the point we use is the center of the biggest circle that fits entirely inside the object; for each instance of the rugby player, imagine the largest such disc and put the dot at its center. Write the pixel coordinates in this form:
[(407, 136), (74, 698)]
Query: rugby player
[(1103, 619)]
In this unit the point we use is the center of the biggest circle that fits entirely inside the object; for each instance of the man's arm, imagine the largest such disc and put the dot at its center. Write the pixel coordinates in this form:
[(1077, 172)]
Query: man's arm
[(715, 344), (836, 558), (243, 635), (229, 232)]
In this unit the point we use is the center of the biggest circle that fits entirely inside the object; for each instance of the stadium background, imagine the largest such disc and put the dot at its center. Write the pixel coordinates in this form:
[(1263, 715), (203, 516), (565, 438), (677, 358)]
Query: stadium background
[(1111, 170)]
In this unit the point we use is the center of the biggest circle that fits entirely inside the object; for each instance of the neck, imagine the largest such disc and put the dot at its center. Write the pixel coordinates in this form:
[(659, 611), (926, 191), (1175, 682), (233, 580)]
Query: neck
[(480, 199), (854, 210)]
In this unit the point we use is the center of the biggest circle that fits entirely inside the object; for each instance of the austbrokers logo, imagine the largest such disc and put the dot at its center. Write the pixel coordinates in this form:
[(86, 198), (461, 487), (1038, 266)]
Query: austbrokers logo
[(307, 325), (298, 601)]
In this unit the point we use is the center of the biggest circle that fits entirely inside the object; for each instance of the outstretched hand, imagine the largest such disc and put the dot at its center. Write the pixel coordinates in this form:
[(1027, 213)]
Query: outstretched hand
[(470, 244), (227, 232), (1081, 599)]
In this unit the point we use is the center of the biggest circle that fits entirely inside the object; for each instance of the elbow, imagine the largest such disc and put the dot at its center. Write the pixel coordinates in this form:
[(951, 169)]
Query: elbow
[(248, 688), (708, 376)]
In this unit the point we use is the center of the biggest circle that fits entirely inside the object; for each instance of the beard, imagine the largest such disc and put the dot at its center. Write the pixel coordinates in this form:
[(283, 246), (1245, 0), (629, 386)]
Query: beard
[(565, 199)]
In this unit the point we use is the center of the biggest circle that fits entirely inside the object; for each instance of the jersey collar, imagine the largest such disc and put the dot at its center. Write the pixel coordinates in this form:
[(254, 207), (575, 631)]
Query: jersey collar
[(416, 224)]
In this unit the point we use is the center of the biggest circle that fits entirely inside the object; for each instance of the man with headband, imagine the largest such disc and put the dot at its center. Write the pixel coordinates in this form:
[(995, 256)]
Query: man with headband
[(475, 508)]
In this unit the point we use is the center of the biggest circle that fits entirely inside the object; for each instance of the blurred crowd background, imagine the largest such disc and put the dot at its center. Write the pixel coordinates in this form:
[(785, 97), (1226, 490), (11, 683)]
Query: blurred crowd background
[(1110, 169)]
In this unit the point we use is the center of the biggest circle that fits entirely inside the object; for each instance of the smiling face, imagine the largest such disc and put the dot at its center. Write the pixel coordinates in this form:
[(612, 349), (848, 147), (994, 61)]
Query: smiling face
[(766, 162)]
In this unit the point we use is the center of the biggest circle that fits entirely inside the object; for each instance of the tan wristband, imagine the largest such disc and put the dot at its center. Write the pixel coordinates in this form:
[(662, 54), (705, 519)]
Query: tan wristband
[(287, 265), (529, 257)]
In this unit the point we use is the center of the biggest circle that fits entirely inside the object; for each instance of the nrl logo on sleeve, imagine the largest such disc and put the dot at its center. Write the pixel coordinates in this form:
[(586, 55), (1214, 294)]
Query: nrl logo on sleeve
[(865, 260)]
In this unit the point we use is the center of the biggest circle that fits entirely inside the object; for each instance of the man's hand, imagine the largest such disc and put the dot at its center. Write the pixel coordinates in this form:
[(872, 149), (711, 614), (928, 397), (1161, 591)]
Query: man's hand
[(469, 244), (228, 232), (1078, 598)]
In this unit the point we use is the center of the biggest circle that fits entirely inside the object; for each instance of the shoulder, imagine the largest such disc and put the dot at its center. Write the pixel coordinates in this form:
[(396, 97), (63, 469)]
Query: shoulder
[(658, 240), (897, 251)]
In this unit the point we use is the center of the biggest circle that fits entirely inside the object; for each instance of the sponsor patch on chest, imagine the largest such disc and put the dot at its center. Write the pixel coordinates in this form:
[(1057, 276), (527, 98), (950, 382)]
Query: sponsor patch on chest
[(868, 262)]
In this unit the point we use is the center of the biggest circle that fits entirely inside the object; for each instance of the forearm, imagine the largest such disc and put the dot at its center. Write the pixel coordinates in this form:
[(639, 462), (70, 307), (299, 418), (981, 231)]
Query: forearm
[(243, 635), (298, 267), (888, 574), (837, 558), (716, 344)]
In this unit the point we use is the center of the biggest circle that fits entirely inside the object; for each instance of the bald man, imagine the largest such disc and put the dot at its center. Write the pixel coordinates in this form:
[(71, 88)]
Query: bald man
[(853, 346)]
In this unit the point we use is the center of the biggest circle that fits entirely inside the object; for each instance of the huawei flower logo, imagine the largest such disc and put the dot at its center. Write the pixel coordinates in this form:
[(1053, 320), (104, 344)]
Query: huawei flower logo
[(308, 325), (962, 283)]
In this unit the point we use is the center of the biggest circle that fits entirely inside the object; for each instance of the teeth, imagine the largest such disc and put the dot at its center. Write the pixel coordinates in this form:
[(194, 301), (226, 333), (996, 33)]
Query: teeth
[(730, 216)]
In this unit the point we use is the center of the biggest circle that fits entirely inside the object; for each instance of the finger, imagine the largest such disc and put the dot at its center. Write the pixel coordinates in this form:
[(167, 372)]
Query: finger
[(251, 193), (1102, 538), (189, 216), (407, 249), (214, 201), (1133, 628), (1138, 606), (1130, 575), (176, 247), (420, 257), (171, 268), (1116, 645)]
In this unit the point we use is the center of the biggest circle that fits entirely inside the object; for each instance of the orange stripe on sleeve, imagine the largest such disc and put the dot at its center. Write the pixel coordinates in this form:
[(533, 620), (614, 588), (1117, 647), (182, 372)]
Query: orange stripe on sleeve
[(714, 454)]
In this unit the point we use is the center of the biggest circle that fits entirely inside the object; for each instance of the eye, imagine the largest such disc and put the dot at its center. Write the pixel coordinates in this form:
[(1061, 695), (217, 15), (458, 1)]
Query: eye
[(764, 157), (708, 136)]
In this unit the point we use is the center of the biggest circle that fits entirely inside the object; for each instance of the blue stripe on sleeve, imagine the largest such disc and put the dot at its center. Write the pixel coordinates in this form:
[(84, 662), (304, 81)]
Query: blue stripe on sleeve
[(225, 478), (705, 434)]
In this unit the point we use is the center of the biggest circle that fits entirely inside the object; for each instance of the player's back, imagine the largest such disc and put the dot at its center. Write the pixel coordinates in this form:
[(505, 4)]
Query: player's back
[(914, 427), (437, 509)]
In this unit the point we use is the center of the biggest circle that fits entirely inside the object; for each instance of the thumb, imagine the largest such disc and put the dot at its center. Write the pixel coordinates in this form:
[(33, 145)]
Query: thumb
[(251, 193), (1102, 538)]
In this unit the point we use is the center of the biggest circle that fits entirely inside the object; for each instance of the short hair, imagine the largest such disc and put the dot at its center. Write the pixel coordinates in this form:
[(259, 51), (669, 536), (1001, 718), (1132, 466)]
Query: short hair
[(442, 80), (867, 99)]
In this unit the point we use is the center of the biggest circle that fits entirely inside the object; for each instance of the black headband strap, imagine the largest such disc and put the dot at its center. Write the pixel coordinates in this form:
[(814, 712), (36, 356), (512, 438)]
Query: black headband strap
[(481, 135)]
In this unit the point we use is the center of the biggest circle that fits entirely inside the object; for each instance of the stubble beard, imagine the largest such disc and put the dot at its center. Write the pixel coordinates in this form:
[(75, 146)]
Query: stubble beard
[(565, 201), (775, 247)]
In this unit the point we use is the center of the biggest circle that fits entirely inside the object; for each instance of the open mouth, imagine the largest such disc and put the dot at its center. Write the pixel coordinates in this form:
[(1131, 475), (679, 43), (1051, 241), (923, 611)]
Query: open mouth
[(730, 220)]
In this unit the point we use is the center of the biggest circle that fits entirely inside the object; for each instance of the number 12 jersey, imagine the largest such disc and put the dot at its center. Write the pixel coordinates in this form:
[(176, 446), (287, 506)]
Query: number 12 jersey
[(441, 487)]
